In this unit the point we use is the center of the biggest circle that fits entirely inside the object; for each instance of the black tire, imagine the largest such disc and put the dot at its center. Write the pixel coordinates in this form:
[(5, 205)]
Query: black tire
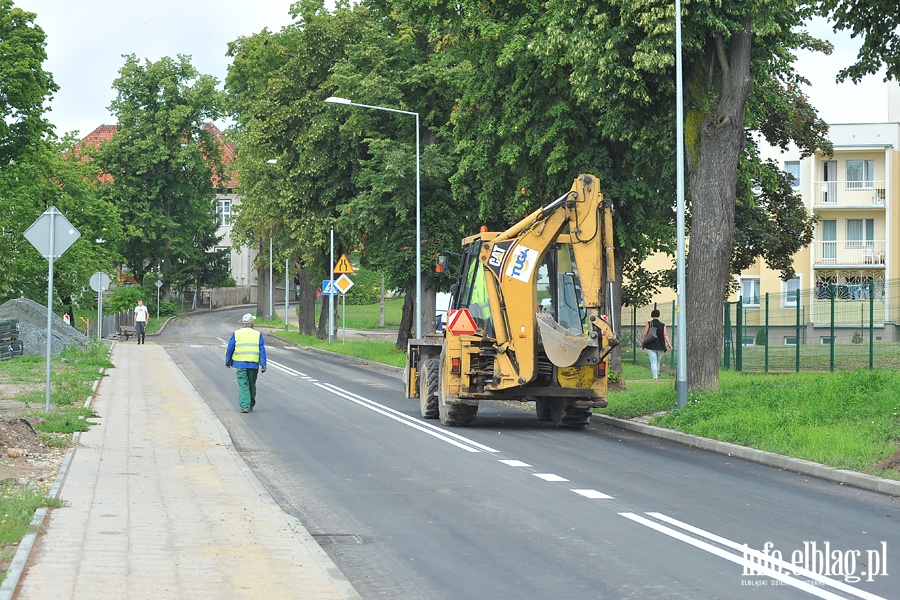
[(566, 414), (429, 383), (455, 415), (542, 408)]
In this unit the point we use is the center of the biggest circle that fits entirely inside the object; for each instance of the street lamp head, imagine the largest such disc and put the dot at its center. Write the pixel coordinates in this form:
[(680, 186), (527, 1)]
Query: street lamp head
[(336, 100), (272, 161)]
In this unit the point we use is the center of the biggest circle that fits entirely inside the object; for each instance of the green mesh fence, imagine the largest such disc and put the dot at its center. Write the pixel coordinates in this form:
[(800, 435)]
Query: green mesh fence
[(839, 325)]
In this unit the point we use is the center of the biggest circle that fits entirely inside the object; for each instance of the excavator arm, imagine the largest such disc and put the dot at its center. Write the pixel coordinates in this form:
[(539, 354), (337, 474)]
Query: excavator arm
[(578, 219)]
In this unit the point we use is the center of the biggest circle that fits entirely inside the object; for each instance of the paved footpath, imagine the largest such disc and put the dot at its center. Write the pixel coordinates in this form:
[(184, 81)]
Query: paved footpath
[(159, 505)]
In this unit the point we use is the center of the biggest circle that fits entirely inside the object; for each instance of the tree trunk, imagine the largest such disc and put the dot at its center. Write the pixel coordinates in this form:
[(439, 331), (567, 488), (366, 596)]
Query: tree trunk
[(713, 162), (262, 292), (407, 321), (381, 301), (306, 312)]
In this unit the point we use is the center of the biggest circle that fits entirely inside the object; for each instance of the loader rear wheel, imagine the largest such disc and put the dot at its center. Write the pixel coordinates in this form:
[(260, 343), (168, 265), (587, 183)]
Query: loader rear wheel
[(543, 410), (456, 415), (566, 413), (429, 388)]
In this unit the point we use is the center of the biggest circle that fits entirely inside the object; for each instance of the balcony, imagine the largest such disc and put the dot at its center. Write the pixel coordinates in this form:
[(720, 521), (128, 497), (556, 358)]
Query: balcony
[(849, 253), (849, 194)]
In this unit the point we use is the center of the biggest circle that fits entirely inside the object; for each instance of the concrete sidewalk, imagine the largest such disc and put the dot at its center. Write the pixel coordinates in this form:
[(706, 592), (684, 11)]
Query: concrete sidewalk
[(159, 505)]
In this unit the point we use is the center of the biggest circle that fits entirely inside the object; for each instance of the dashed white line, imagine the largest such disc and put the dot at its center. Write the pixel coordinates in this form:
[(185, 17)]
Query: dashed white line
[(515, 463), (549, 477), (593, 494)]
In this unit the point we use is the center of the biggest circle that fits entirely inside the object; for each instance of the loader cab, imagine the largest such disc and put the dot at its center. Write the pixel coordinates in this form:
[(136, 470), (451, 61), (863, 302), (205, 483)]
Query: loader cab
[(558, 289), (470, 290)]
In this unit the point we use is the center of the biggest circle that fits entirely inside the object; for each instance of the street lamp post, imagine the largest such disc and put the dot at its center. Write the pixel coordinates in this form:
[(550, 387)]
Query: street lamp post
[(681, 330), (346, 102), (271, 290)]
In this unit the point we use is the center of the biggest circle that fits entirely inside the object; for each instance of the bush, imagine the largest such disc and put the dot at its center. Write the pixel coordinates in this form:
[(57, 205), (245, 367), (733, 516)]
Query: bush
[(761, 336), (125, 298), (167, 309), (366, 287)]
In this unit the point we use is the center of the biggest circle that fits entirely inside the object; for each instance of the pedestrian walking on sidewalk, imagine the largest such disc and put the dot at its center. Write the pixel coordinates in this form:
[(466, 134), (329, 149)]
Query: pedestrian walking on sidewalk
[(246, 352), (656, 349), (141, 316)]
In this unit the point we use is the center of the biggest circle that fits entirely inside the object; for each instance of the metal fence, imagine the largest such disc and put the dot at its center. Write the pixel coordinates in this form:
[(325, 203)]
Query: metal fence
[(834, 326), (109, 324)]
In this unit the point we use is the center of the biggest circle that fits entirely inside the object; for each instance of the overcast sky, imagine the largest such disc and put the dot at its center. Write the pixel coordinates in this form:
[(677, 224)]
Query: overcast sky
[(87, 38)]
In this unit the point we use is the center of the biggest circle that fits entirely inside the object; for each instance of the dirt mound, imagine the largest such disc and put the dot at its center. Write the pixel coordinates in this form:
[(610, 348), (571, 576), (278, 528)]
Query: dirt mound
[(33, 327), (892, 462), (19, 433)]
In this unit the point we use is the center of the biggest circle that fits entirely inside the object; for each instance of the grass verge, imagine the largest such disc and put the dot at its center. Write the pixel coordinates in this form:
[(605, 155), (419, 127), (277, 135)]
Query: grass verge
[(380, 352), (72, 375), (847, 420)]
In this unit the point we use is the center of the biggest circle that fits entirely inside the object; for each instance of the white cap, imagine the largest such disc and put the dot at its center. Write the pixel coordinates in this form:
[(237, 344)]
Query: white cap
[(248, 318)]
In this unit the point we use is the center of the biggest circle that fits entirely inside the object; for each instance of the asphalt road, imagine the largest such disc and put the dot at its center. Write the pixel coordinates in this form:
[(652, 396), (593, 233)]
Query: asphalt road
[(516, 508)]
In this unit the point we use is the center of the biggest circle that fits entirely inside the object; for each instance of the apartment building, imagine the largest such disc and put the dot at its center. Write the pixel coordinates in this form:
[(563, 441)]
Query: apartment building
[(848, 280), (849, 277)]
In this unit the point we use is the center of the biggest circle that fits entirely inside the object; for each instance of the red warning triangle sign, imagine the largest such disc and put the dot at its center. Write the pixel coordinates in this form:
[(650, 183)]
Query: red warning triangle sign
[(460, 322)]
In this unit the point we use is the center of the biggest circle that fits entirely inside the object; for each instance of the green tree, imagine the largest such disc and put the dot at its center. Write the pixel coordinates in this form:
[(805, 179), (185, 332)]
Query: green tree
[(24, 85), (523, 133), (347, 168), (877, 22), (738, 75), (51, 173), (163, 164)]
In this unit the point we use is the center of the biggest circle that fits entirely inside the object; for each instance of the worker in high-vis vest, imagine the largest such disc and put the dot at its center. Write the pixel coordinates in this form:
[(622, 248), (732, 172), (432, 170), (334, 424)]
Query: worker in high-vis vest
[(246, 352)]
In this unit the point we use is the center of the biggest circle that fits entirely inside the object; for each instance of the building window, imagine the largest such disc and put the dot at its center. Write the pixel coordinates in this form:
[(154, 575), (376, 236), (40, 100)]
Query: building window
[(223, 212), (227, 252), (792, 168), (860, 174), (790, 288), (750, 291), (860, 233)]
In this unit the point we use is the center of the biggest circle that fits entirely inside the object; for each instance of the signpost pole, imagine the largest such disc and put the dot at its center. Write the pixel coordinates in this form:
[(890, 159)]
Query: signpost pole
[(287, 300), (50, 248), (50, 257), (331, 297)]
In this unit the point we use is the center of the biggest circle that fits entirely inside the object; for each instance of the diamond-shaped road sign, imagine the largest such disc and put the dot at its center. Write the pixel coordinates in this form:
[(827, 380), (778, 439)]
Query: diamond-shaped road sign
[(343, 284), (64, 234)]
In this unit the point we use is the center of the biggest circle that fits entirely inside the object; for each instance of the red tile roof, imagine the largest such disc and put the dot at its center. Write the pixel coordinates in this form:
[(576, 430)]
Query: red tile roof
[(104, 133)]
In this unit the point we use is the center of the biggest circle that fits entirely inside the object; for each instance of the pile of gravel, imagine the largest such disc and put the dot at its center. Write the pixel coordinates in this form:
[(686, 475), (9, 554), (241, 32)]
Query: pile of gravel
[(33, 327)]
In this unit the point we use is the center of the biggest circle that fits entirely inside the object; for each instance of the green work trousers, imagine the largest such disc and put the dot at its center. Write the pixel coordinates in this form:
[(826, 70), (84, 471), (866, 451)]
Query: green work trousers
[(246, 379)]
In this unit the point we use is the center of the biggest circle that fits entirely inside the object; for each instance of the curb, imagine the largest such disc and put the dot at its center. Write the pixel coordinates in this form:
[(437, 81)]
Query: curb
[(804, 467), (25, 547)]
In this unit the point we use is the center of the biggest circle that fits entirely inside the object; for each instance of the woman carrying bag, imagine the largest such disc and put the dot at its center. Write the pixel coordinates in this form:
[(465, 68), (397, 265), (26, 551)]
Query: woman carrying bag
[(656, 348)]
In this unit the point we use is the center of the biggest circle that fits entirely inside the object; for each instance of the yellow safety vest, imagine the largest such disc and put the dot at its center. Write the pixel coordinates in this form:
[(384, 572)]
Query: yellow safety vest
[(246, 345)]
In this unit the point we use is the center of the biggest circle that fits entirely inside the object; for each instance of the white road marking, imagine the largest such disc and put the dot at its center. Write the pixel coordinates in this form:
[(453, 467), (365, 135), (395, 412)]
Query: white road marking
[(515, 463), (549, 477), (437, 432), (593, 494), (286, 369), (740, 556)]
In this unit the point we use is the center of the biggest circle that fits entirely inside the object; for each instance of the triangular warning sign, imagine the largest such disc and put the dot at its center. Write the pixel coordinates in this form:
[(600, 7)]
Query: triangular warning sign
[(343, 266), (460, 322)]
